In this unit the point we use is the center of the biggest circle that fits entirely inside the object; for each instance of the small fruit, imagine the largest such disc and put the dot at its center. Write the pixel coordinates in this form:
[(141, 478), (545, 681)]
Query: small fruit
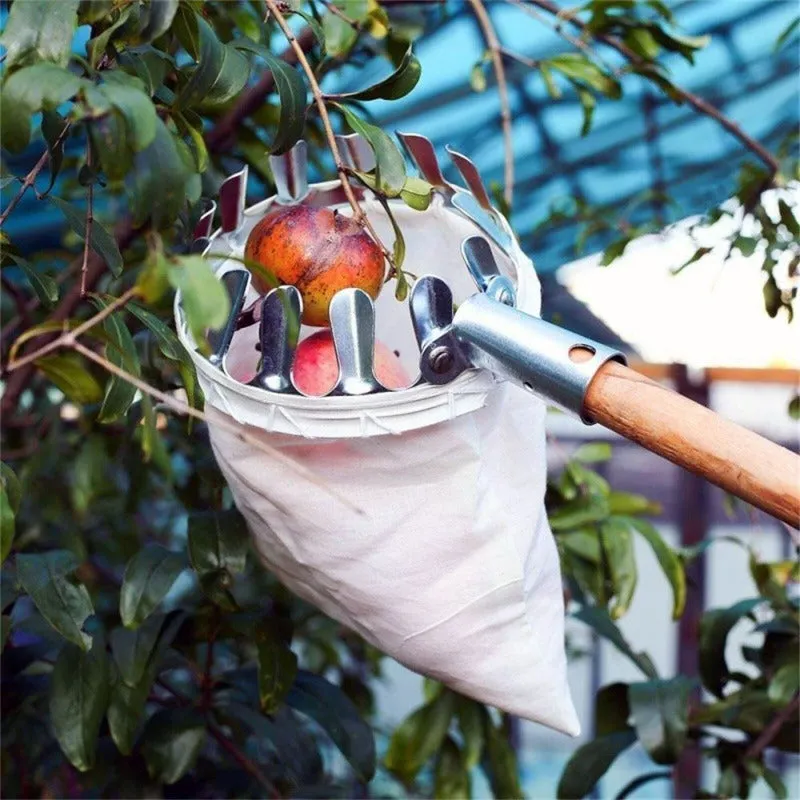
[(316, 369), (320, 252)]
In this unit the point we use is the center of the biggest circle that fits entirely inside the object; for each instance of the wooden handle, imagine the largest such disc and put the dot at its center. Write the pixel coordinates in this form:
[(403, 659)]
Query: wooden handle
[(688, 434)]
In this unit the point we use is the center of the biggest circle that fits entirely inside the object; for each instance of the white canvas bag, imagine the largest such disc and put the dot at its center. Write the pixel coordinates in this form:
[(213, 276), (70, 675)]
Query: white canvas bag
[(451, 567)]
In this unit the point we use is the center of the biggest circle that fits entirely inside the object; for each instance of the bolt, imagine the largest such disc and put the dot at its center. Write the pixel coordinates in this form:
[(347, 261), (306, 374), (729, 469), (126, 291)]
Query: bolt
[(440, 359)]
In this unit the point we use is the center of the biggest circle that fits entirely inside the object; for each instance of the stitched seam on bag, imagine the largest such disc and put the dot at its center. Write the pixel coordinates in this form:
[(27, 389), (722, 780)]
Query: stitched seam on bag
[(459, 611)]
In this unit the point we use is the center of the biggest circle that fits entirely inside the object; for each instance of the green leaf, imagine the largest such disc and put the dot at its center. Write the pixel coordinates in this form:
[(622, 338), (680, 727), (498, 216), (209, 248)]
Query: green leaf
[(583, 543), (599, 619), (62, 602), (157, 183), (97, 46), (43, 285), (470, 722), (218, 540), (578, 67), (136, 655), (126, 94), (397, 85), (679, 43), (775, 782), (450, 775), (786, 34), (611, 709), (78, 701), (696, 256), (153, 446), (120, 351), (339, 35), (614, 251), (621, 563), (29, 90), (186, 30), (277, 669), (503, 771), (53, 125), (746, 245), (788, 218), (669, 561), (642, 42), (68, 372), (420, 736), (329, 707), (773, 299), (109, 137), (659, 711), (292, 95), (221, 72), (417, 193), (578, 512), (550, 84), (148, 577), (391, 167), (590, 762), (715, 626), (477, 77), (158, 19), (6, 523), (784, 684), (13, 488), (588, 104), (101, 241), (171, 741), (39, 30), (171, 348), (625, 503), (794, 407), (593, 452), (203, 298)]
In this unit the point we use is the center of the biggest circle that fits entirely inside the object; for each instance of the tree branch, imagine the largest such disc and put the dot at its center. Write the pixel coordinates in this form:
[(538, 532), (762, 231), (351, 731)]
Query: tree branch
[(243, 761), (502, 90), (789, 711), (219, 137), (358, 214), (89, 222), (693, 100), (31, 177), (20, 301)]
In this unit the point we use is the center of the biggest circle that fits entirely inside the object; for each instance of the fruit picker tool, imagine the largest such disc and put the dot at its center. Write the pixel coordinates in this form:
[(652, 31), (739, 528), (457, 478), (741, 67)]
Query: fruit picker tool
[(486, 332)]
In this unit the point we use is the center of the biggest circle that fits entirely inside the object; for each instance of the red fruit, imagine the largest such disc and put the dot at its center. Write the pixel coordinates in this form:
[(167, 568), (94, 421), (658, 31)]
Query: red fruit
[(320, 252), (316, 369)]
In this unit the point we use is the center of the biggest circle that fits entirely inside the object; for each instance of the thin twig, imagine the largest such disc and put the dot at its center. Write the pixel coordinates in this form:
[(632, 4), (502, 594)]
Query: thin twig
[(180, 407), (89, 222), (31, 177), (358, 214), (502, 90), (789, 711), (65, 338), (693, 100), (243, 761), (524, 60)]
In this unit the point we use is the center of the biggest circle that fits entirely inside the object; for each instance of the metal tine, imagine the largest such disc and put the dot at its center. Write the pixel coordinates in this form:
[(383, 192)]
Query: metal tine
[(477, 253), (199, 245), (421, 151), (441, 356), (232, 198), (236, 283), (472, 177), (290, 171), (206, 222), (278, 333), (353, 327), (356, 151)]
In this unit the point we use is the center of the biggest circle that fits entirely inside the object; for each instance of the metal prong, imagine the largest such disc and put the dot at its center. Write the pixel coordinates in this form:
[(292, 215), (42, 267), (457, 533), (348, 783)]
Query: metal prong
[(466, 203), (232, 194), (199, 245), (235, 282), (279, 331), (472, 177), (441, 357), (480, 261), (206, 222), (421, 151), (290, 171), (353, 328), (356, 152)]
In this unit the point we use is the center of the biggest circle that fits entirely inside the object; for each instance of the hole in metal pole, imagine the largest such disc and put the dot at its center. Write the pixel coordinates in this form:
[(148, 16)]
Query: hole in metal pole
[(580, 353)]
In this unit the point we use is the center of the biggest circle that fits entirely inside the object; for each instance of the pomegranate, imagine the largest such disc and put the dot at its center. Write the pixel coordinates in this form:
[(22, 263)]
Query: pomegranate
[(316, 369), (320, 252)]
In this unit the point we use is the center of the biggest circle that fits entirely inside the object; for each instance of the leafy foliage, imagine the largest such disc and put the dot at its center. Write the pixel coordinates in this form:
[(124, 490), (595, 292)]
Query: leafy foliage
[(143, 646)]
